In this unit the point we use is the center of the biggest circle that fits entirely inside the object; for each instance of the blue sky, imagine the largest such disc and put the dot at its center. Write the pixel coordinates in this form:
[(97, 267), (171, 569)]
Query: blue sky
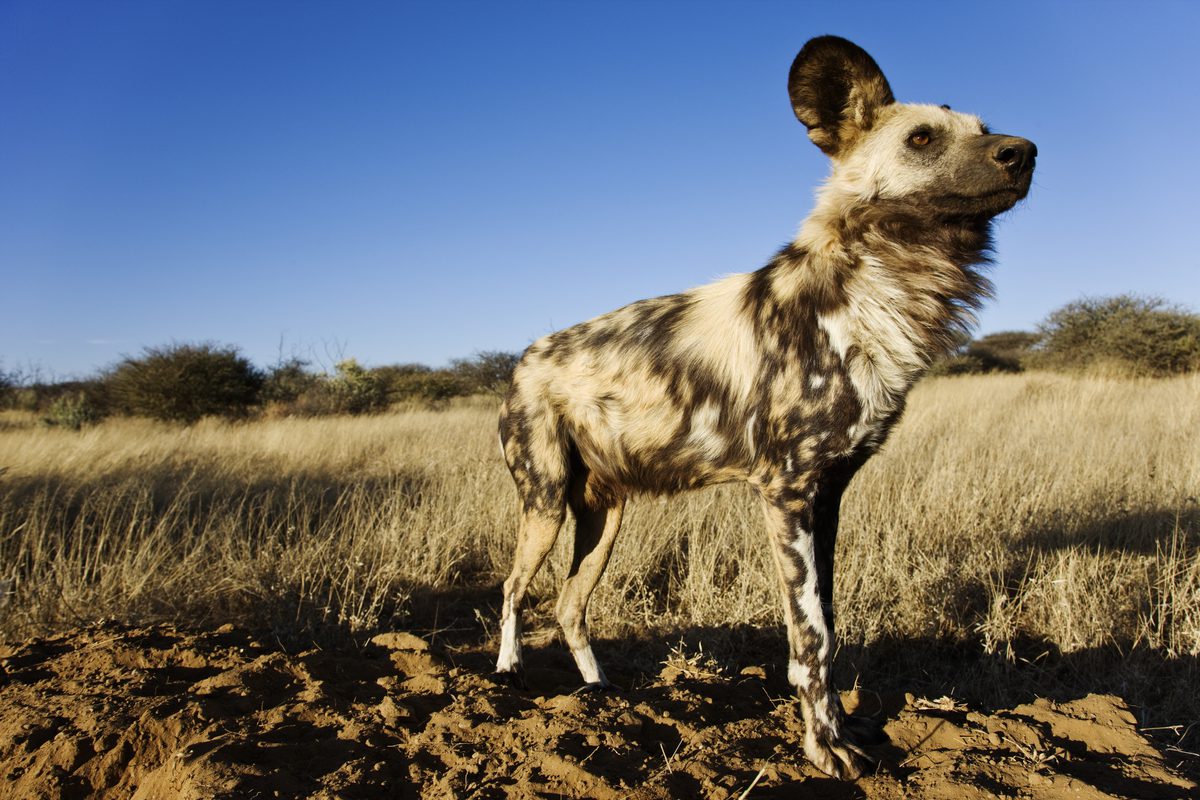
[(417, 181)]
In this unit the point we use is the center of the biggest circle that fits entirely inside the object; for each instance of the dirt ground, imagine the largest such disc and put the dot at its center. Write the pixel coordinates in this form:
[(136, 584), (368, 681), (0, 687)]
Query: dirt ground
[(146, 712)]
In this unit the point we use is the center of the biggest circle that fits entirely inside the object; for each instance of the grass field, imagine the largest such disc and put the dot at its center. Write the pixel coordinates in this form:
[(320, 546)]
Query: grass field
[(1033, 533)]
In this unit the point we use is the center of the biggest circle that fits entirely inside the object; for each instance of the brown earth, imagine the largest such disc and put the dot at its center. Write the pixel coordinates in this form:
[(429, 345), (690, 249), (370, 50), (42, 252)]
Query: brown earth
[(115, 712)]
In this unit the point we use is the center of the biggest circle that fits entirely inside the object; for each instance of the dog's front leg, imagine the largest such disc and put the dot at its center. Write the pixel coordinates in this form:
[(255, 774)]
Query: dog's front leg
[(828, 743)]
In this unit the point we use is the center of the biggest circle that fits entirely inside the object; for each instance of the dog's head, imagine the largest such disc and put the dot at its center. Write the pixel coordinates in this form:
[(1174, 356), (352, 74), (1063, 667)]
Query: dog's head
[(943, 160)]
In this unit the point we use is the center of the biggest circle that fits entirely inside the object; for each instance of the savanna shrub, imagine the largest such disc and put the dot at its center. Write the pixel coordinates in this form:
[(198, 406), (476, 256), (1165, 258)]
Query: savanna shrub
[(398, 379), (355, 389), (184, 382), (8, 385), (24, 398), (431, 387), (73, 410), (21, 389), (1007, 350), (1140, 335), (488, 371), (287, 381), (996, 352)]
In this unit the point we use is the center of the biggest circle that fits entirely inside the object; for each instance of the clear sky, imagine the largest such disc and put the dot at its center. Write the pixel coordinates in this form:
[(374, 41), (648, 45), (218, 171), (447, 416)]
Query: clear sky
[(417, 181)]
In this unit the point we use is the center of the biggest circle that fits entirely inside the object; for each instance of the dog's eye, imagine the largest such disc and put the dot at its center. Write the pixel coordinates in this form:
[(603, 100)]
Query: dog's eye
[(919, 138)]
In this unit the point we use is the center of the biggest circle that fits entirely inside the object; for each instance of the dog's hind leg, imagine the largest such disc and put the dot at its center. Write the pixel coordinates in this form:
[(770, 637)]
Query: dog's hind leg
[(537, 460), (539, 529), (596, 524)]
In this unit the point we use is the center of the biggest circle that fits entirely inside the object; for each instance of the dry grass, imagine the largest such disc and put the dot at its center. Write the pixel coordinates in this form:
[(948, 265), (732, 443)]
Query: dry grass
[(1043, 524)]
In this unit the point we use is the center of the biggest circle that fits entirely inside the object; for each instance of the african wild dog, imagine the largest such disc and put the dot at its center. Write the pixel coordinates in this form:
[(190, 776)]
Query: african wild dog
[(788, 378)]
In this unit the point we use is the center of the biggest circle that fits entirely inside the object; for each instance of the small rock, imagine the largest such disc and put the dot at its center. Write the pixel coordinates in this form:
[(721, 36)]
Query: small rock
[(392, 712), (629, 720), (399, 640), (565, 703)]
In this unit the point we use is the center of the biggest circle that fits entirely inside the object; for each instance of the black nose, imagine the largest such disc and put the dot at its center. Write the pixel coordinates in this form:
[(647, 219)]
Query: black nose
[(1015, 154)]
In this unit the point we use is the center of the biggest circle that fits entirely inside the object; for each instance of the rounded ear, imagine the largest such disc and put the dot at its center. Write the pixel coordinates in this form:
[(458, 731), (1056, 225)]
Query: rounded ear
[(836, 88)]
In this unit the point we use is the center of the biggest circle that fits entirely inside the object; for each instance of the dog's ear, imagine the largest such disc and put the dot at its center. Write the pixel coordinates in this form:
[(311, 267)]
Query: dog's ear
[(836, 90)]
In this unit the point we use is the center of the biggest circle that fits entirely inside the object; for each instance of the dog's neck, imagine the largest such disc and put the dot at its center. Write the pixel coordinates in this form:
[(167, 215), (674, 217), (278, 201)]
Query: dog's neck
[(895, 287)]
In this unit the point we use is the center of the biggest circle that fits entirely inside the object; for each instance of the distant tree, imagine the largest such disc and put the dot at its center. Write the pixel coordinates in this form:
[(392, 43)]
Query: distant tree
[(1144, 335), (73, 410), (398, 379), (8, 383), (1009, 346), (439, 386), (996, 352), (287, 381), (486, 371), (65, 401), (357, 390), (22, 388), (431, 387), (184, 382)]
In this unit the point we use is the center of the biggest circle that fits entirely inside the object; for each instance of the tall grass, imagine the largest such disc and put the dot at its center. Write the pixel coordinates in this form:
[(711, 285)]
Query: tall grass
[(1005, 509)]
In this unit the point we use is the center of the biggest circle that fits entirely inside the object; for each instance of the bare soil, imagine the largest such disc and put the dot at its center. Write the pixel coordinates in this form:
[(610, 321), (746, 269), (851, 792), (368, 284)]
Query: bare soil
[(115, 711)]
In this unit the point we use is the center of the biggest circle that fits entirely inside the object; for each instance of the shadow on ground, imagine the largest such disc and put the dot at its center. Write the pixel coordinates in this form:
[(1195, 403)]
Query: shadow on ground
[(1143, 531)]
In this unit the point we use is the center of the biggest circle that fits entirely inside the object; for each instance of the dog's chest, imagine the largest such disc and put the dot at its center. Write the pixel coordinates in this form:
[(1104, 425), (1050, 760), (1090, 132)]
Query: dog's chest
[(808, 419)]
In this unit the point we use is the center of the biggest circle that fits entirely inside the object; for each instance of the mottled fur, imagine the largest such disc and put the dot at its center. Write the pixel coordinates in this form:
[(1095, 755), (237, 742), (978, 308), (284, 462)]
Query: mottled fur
[(788, 378)]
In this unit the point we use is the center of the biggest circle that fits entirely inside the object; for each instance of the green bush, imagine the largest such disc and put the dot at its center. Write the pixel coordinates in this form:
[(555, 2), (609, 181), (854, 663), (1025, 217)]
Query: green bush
[(1141, 335), (184, 382), (8, 386), (398, 379), (352, 389), (489, 371), (997, 352), (21, 389), (356, 390), (73, 410), (287, 381), (24, 398), (1006, 350), (431, 387)]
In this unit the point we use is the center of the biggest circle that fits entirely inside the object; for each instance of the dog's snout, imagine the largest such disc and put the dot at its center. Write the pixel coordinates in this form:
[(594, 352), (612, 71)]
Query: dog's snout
[(1014, 154)]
